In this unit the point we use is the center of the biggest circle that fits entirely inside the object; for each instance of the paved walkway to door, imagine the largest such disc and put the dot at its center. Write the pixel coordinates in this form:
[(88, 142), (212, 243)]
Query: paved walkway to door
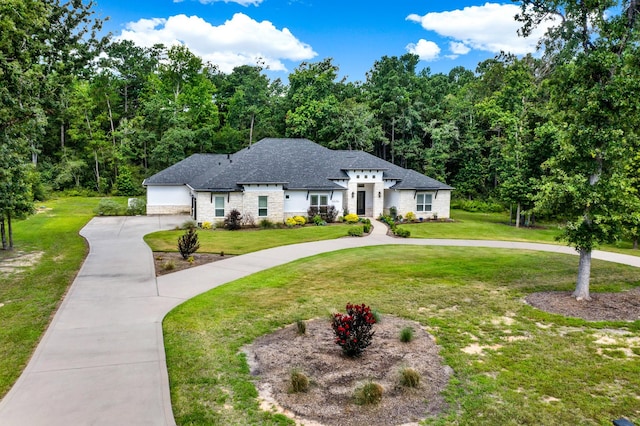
[(102, 361)]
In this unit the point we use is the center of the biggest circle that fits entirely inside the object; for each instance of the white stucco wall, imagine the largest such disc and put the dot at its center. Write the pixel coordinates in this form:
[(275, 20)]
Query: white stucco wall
[(168, 199)]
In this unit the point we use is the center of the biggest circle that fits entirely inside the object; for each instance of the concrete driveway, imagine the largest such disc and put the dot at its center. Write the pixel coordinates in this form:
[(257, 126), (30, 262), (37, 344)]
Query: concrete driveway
[(102, 360)]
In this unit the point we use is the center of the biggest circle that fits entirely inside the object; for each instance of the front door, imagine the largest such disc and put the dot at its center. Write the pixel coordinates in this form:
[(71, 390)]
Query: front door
[(360, 210)]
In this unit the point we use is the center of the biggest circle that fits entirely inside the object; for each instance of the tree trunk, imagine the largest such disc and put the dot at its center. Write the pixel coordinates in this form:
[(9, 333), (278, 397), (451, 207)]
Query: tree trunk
[(3, 234), (635, 243), (10, 231), (518, 216), (584, 273), (253, 116)]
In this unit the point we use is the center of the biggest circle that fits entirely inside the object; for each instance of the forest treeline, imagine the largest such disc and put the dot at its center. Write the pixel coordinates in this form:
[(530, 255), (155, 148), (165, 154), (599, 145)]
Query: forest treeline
[(556, 133)]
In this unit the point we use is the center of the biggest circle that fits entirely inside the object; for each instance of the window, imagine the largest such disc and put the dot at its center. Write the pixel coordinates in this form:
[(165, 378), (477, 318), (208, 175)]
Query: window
[(262, 205), (424, 203), (219, 206), (319, 200)]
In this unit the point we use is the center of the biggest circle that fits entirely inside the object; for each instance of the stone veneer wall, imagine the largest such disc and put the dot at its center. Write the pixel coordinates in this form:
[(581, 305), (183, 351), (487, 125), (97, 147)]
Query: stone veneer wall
[(151, 210), (439, 204)]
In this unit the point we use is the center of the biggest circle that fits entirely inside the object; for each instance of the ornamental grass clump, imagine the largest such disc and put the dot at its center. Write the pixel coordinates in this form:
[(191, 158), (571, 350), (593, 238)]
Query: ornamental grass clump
[(298, 382), (353, 329), (368, 394), (409, 378)]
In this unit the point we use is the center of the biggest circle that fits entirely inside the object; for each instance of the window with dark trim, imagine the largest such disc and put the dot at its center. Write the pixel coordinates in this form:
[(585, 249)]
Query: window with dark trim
[(262, 206), (219, 205), (423, 202)]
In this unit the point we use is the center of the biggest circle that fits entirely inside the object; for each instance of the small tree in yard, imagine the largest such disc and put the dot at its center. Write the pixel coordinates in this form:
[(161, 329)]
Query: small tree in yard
[(353, 330), (233, 221), (188, 243)]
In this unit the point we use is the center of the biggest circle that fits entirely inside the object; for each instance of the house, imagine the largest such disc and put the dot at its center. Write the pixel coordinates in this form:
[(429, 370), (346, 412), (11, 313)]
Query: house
[(279, 178)]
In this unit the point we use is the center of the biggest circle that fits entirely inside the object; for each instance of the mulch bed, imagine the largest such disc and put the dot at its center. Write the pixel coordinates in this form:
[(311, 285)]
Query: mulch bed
[(623, 306)]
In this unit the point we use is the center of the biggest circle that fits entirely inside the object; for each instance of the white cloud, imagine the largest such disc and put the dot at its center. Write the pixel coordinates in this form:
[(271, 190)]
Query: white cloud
[(490, 27), (426, 50), (239, 41), (459, 48)]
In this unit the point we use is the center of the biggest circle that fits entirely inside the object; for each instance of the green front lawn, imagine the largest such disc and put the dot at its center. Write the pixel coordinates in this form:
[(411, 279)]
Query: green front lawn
[(543, 368), (31, 296), (246, 241), (481, 226)]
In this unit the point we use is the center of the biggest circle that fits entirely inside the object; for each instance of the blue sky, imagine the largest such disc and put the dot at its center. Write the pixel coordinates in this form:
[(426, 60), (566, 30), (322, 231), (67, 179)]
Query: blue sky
[(283, 33)]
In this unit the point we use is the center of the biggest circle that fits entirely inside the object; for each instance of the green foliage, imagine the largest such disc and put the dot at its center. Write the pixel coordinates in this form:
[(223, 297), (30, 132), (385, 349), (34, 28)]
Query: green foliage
[(301, 326), (402, 232), (125, 185), (189, 224), (266, 224), (369, 393), (136, 207), (355, 231), (298, 382), (409, 378), (232, 220), (366, 228), (477, 206), (410, 217), (109, 207), (207, 225), (188, 243), (406, 334)]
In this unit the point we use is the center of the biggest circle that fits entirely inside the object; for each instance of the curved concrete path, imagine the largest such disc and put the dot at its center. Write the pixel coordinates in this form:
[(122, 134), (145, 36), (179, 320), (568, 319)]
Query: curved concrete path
[(102, 361)]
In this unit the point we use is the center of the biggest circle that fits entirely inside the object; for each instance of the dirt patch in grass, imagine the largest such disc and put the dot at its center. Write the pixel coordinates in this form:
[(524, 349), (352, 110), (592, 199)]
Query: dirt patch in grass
[(18, 261), (168, 262), (335, 377), (622, 306)]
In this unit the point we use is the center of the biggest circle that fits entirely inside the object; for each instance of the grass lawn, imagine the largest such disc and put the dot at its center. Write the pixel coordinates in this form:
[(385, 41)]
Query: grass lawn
[(543, 368), (31, 296), (242, 242), (482, 226)]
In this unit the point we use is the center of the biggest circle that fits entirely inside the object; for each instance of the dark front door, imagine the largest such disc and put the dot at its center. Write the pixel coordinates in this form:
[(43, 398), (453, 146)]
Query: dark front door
[(360, 211)]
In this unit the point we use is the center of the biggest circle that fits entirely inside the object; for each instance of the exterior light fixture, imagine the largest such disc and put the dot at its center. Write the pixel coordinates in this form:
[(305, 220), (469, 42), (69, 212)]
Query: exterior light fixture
[(379, 194)]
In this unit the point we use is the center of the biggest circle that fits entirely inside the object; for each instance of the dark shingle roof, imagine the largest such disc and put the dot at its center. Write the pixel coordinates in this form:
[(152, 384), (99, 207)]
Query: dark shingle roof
[(295, 163)]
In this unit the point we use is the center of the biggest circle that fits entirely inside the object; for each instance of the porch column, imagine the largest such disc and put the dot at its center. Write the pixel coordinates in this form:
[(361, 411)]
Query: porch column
[(378, 199)]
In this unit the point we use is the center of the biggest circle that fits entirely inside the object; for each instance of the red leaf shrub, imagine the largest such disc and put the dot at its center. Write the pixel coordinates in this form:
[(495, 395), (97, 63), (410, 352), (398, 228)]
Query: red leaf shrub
[(353, 329)]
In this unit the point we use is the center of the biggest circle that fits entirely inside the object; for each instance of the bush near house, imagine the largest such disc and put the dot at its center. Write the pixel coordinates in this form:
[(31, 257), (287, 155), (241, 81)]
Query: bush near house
[(351, 218)]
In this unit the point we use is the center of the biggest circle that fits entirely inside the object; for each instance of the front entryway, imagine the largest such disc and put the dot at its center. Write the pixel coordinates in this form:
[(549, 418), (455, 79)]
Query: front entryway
[(360, 207)]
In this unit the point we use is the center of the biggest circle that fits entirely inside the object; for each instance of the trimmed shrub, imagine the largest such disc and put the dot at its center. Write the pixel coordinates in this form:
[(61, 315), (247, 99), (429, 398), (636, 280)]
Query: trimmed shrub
[(332, 214), (401, 232), (188, 243), (107, 207), (368, 394), (290, 222), (355, 231), (298, 382), (409, 378), (351, 218), (353, 329), (366, 228), (136, 206), (232, 221), (300, 220), (169, 265), (317, 219), (406, 335), (189, 224), (207, 225), (266, 224), (410, 217)]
